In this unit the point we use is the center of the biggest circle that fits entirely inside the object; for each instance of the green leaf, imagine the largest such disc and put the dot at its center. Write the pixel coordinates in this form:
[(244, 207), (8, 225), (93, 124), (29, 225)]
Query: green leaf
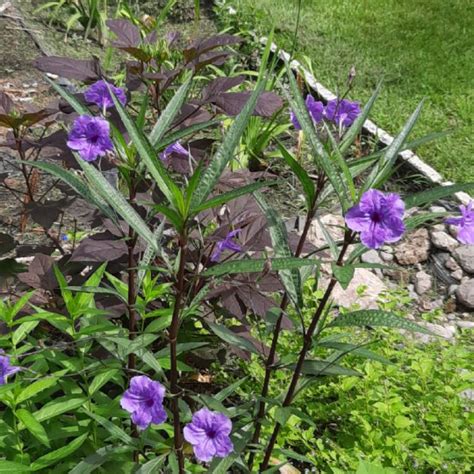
[(117, 201), (75, 183), (384, 166), (180, 134), (61, 453), (439, 192), (101, 456), (279, 236), (151, 467), (343, 274), (170, 112), (35, 388), (282, 414), (226, 151), (353, 349), (231, 338), (376, 318), (235, 193), (370, 468), (303, 177), (33, 426), (112, 428), (23, 330), (149, 156), (324, 367), (9, 467), (58, 407), (257, 265), (101, 379), (226, 392)]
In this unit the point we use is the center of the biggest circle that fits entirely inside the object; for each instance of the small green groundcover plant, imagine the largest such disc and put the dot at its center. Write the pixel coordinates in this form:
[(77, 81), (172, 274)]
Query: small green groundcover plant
[(105, 364)]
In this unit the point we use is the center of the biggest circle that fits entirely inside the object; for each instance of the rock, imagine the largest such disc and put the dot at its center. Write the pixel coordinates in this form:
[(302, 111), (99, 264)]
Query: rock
[(443, 241), (372, 256), (423, 282), (386, 257), (365, 300), (465, 293), (451, 264), (430, 305), (465, 324), (400, 275), (438, 228), (447, 331), (452, 289), (334, 225), (467, 394), (414, 248), (437, 209), (465, 257), (457, 275)]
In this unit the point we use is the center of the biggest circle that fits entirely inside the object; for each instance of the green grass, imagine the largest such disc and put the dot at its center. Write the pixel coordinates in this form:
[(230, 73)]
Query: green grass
[(422, 49)]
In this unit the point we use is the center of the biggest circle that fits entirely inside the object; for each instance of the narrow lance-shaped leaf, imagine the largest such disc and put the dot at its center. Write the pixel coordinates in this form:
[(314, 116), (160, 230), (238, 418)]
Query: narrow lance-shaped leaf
[(383, 169), (68, 97), (117, 201), (290, 278), (149, 157), (226, 151), (258, 265), (439, 192)]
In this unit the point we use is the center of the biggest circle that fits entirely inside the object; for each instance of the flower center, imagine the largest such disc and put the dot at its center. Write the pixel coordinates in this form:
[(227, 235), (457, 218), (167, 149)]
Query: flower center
[(150, 402), (376, 216), (211, 433)]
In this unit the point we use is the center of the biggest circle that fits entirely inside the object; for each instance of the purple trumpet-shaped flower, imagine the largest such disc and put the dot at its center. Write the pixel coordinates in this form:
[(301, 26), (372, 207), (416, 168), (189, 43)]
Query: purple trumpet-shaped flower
[(99, 94), (174, 149), (208, 433), (226, 244), (465, 223), (315, 110), (378, 217), (144, 400), (342, 112), (6, 369), (90, 136)]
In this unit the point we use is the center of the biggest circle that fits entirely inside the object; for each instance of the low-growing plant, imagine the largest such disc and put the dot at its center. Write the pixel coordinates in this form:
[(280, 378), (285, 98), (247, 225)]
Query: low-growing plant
[(109, 362)]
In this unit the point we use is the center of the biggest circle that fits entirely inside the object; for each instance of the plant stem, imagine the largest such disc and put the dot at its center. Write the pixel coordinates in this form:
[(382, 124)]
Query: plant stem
[(173, 340), (307, 343), (276, 333)]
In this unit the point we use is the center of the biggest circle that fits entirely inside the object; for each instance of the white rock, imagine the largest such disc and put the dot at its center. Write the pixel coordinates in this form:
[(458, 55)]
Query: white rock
[(467, 394), (334, 225), (423, 282), (457, 275), (372, 256), (387, 257), (447, 331), (451, 264), (444, 241), (465, 324), (414, 248)]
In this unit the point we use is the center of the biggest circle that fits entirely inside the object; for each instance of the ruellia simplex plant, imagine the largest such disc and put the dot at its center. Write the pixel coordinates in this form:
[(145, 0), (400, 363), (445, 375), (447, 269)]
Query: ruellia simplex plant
[(191, 267)]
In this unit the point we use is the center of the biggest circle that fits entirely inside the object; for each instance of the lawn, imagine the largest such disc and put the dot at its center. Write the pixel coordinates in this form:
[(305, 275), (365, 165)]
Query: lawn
[(422, 49)]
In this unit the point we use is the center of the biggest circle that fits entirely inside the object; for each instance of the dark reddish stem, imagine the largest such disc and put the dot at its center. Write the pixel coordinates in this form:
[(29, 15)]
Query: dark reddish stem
[(307, 344)]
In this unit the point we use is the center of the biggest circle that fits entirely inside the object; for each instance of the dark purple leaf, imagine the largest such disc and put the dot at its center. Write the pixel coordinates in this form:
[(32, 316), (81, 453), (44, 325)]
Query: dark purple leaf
[(7, 243), (91, 250), (128, 35), (47, 213), (232, 103), (215, 58), (203, 45), (6, 103), (138, 53), (151, 38), (40, 273), (220, 85), (28, 250), (78, 69)]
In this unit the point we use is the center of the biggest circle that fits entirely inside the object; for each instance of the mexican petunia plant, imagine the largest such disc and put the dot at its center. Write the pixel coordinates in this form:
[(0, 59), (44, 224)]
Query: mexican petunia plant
[(122, 356)]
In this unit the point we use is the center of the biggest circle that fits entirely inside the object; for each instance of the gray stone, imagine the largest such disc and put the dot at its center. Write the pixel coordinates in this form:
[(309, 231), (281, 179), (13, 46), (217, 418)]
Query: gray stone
[(443, 241), (451, 264), (372, 256), (423, 282), (467, 394), (387, 257), (465, 324), (414, 248), (351, 296), (333, 224), (457, 275), (465, 293), (437, 209), (438, 228), (452, 289), (465, 256), (447, 331)]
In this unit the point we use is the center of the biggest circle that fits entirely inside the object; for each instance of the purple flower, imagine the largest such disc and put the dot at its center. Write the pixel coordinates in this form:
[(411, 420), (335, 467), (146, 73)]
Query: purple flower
[(465, 223), (90, 136), (144, 400), (99, 94), (209, 435), (226, 244), (378, 217), (174, 149), (315, 110), (342, 112), (6, 369)]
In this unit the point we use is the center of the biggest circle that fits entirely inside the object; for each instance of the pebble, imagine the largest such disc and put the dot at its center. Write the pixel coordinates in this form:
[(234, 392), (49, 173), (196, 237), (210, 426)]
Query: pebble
[(414, 249), (444, 241), (465, 293), (465, 257), (423, 282)]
